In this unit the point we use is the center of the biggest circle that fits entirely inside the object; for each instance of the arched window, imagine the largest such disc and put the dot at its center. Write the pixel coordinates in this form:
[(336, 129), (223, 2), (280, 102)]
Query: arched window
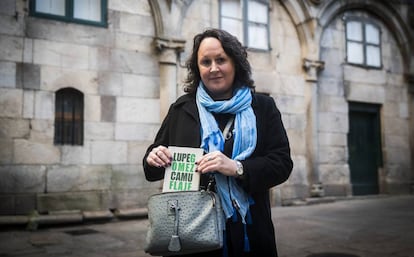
[(69, 117)]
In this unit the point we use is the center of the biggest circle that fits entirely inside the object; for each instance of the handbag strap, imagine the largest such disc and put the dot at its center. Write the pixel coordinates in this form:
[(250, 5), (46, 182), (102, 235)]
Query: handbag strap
[(210, 184), (226, 132)]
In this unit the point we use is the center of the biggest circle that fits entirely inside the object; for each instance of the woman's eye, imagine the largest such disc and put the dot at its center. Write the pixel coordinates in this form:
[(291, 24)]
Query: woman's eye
[(205, 62), (220, 60)]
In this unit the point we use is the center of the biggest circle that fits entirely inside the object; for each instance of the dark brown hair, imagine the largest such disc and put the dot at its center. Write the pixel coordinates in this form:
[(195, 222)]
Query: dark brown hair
[(233, 49)]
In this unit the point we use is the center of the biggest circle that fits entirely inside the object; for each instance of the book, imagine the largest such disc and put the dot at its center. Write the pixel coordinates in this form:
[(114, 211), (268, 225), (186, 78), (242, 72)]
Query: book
[(181, 175)]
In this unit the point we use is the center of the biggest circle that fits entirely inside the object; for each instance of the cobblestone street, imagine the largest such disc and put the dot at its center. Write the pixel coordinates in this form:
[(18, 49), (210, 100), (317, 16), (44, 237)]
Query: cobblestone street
[(380, 226)]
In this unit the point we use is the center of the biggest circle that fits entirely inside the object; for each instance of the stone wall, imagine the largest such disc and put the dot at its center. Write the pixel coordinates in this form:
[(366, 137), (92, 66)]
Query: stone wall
[(117, 72), (121, 74)]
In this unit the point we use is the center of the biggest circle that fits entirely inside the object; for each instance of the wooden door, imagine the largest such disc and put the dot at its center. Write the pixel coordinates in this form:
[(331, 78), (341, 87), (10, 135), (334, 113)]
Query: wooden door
[(364, 146)]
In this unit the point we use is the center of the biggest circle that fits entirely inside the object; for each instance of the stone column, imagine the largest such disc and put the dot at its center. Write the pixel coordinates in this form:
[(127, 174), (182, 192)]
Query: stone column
[(312, 68), (168, 55)]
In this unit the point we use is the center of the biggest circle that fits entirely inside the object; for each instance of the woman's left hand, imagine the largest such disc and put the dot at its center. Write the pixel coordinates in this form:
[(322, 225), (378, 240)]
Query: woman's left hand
[(217, 161)]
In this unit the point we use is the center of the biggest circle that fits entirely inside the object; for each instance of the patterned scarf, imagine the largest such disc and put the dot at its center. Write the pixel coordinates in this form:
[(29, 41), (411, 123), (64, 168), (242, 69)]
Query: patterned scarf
[(245, 138)]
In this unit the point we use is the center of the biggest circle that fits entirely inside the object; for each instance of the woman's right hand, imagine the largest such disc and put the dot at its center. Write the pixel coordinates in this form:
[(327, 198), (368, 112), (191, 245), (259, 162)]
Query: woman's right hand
[(159, 157)]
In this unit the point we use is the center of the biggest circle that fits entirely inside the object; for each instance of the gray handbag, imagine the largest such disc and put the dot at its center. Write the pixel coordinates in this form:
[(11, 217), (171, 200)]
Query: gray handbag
[(184, 222)]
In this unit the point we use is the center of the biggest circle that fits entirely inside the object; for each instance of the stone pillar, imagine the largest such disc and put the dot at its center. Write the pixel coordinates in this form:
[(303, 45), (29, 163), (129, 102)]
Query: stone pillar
[(168, 55), (312, 68)]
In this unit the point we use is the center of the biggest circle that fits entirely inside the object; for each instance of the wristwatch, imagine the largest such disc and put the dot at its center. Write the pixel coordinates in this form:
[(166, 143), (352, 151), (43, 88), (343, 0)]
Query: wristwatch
[(239, 170)]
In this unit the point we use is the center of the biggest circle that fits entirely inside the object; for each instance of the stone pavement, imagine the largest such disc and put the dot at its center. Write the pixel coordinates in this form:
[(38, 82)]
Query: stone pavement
[(380, 226)]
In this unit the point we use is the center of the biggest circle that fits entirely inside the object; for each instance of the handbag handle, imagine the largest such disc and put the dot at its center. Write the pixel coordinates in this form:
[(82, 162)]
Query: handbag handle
[(175, 244)]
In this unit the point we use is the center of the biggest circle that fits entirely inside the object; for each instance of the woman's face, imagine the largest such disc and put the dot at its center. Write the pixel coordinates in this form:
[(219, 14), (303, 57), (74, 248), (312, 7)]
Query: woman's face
[(216, 69)]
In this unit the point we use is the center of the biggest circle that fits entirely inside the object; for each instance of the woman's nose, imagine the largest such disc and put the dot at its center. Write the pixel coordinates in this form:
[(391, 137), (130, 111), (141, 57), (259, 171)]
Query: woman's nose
[(214, 67)]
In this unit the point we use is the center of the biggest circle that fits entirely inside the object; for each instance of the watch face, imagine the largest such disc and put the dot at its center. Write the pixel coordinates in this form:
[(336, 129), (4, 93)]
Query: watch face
[(239, 170)]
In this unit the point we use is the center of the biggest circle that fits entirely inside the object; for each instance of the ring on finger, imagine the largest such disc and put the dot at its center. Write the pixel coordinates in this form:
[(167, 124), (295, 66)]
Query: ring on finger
[(210, 158)]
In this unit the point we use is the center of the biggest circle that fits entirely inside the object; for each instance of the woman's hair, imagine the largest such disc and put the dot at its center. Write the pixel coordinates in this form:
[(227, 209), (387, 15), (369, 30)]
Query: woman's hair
[(233, 49)]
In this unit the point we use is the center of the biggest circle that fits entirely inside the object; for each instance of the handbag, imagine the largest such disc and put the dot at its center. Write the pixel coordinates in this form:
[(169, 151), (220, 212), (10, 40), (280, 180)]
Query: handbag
[(184, 222)]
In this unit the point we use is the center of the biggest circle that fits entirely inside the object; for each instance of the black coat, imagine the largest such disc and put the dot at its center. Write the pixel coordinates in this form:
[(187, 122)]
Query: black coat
[(269, 165)]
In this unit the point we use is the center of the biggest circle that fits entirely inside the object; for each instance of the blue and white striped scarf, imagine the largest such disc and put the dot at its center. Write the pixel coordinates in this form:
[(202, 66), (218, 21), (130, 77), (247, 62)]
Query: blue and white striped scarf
[(245, 139)]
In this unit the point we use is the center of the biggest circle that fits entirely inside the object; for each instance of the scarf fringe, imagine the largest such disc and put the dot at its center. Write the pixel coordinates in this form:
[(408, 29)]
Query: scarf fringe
[(246, 239), (249, 217), (234, 217), (225, 248), (249, 221)]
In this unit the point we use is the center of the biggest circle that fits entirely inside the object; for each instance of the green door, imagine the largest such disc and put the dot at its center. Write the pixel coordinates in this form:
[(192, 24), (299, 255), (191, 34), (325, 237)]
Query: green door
[(364, 147)]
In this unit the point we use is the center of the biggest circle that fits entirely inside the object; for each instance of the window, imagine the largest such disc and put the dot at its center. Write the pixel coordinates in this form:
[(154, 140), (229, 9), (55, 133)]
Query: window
[(248, 20), (69, 117), (363, 43), (91, 12)]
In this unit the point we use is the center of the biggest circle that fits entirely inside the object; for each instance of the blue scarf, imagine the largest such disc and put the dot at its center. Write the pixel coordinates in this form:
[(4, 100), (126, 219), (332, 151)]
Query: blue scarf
[(245, 138)]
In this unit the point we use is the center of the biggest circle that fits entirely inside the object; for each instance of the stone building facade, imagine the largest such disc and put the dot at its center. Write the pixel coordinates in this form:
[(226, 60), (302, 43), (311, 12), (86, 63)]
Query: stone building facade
[(130, 69)]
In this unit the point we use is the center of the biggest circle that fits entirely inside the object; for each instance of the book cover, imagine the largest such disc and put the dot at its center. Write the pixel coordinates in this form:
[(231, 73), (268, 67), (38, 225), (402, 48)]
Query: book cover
[(181, 175)]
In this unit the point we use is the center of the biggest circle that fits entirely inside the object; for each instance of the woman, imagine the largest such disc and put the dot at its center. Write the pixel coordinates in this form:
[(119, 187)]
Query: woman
[(247, 161)]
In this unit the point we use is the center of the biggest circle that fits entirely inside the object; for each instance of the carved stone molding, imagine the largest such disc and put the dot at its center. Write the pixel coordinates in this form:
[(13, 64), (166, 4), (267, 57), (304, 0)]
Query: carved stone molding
[(168, 43), (166, 14), (312, 68), (168, 49)]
